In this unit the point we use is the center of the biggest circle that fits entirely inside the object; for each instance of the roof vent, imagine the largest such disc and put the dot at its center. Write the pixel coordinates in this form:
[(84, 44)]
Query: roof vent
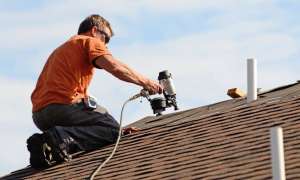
[(251, 80)]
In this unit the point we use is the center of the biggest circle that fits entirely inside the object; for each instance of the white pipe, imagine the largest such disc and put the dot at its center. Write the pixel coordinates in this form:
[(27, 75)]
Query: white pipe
[(277, 151), (251, 80)]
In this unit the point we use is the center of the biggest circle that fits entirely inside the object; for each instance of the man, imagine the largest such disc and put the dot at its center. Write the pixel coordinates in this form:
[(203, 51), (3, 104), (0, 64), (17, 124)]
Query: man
[(61, 105)]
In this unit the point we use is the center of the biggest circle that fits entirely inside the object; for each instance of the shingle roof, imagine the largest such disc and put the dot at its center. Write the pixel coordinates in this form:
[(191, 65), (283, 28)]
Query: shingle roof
[(226, 140)]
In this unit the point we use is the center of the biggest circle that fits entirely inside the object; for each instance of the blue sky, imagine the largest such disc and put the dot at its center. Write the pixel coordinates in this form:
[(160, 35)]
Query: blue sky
[(204, 44)]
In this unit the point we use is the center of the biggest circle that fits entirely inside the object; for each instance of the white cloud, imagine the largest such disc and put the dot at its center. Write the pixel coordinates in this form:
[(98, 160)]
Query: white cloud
[(55, 20), (35, 35), (16, 124)]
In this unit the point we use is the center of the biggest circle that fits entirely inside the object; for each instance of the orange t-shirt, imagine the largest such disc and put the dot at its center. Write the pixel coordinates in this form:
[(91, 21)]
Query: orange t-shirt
[(67, 72)]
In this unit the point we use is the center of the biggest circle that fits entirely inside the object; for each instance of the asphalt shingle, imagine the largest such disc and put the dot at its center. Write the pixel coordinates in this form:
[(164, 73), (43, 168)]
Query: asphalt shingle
[(226, 140)]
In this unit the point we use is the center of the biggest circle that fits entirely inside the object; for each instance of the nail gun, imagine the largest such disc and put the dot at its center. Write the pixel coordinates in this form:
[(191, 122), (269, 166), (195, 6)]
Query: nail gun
[(159, 104)]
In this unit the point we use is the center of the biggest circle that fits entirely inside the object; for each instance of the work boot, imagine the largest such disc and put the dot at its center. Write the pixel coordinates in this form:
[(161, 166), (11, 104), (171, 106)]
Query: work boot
[(58, 150), (45, 151), (40, 152)]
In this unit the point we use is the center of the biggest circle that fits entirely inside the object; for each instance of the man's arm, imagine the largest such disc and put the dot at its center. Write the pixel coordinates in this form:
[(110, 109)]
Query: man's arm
[(125, 73)]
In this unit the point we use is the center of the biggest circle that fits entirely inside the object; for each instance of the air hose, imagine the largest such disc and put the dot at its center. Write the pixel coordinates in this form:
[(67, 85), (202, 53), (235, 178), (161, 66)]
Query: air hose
[(143, 93)]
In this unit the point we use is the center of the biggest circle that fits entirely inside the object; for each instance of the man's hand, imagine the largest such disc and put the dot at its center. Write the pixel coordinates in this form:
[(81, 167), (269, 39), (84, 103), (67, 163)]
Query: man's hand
[(130, 130), (153, 87)]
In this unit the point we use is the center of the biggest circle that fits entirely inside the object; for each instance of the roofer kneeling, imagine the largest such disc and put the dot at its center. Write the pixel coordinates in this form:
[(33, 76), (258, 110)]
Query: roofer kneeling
[(62, 109)]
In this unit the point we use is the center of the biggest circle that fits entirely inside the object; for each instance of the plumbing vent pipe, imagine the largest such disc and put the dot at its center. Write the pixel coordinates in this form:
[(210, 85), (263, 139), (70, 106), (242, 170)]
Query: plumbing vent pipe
[(277, 151), (251, 80)]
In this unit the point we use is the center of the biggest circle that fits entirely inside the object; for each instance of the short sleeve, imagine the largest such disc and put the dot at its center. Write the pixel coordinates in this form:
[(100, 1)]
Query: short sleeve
[(95, 48)]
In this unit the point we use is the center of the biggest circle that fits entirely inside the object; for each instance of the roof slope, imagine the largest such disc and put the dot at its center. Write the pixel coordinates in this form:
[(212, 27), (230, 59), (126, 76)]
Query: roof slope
[(227, 140)]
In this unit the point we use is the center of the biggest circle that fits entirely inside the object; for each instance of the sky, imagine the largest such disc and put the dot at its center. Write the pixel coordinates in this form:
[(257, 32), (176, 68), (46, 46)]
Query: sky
[(203, 43)]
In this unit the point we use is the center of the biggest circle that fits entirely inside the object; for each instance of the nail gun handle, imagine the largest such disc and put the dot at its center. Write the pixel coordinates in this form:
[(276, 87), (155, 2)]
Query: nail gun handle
[(145, 94)]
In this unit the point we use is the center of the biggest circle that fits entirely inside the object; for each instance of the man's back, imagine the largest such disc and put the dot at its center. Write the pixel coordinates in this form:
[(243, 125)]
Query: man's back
[(67, 72)]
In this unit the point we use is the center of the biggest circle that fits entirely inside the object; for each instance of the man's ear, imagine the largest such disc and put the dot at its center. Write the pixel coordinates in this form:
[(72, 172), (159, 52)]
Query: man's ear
[(94, 31)]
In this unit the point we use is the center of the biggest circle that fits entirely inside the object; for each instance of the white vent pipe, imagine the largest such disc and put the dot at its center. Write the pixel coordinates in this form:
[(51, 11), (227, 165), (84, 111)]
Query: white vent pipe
[(251, 80), (277, 151)]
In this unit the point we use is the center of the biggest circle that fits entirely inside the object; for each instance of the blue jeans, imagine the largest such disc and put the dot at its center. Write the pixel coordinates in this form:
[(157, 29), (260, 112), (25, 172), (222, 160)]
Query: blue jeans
[(75, 128)]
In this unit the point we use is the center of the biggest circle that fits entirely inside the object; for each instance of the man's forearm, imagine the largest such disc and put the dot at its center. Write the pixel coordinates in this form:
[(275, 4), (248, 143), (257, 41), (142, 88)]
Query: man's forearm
[(121, 70), (125, 73)]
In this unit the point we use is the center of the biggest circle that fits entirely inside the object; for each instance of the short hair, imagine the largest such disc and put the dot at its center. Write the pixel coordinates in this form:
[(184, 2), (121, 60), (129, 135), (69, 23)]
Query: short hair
[(94, 20)]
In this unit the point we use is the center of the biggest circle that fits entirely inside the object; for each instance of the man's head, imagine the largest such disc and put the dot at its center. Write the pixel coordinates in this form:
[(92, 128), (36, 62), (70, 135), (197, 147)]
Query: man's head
[(96, 26)]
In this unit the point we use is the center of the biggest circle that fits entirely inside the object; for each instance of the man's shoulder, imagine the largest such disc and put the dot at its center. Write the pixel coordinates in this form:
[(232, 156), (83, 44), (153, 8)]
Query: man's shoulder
[(85, 41), (83, 38)]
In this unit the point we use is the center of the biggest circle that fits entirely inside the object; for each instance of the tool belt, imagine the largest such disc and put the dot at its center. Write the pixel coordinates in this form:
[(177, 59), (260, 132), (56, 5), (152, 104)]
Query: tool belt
[(89, 103)]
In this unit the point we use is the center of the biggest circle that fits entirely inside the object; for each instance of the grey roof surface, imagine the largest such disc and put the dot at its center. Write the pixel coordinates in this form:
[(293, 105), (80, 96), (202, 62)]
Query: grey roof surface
[(226, 140)]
